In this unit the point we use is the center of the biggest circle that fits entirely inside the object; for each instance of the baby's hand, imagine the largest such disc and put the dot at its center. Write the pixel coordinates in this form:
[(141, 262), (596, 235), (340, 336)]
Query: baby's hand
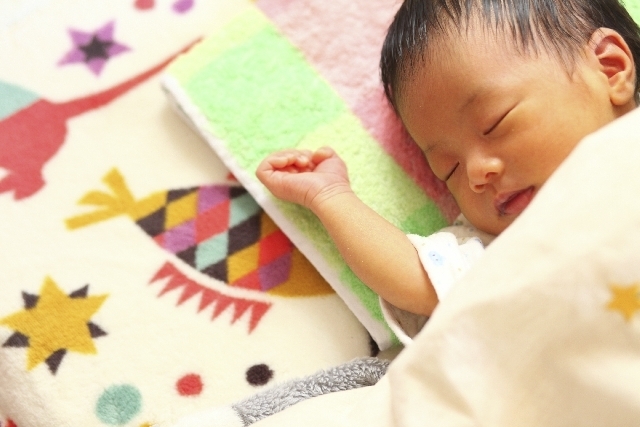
[(303, 176)]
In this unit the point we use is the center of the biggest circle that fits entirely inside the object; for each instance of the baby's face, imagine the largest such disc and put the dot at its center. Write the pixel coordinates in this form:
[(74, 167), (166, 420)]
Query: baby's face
[(495, 124)]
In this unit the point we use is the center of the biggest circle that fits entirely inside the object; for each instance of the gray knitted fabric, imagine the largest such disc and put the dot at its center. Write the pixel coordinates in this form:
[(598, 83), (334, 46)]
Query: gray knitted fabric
[(355, 374)]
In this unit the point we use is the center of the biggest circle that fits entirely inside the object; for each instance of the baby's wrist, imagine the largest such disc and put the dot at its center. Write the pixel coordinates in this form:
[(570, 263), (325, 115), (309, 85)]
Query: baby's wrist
[(330, 197)]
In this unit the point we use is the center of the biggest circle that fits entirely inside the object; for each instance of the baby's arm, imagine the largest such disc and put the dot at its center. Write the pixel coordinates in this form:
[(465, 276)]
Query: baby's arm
[(379, 253)]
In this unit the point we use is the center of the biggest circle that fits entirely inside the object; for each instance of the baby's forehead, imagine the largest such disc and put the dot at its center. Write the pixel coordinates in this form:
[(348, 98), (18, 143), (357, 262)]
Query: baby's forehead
[(469, 83), (428, 33), (450, 54), (475, 46)]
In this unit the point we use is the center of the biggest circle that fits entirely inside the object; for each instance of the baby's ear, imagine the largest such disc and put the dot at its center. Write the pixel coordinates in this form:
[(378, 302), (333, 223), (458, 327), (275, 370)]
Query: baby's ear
[(616, 63)]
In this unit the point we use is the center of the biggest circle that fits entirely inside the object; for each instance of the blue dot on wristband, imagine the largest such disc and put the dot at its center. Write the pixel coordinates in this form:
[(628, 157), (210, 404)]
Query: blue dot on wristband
[(436, 258)]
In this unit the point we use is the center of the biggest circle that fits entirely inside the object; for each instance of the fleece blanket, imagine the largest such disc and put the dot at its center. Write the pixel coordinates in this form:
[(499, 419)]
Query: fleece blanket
[(305, 74), (544, 331), (139, 281)]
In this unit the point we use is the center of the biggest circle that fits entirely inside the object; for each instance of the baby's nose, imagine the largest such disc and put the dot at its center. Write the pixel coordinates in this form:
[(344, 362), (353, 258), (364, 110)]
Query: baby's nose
[(483, 170)]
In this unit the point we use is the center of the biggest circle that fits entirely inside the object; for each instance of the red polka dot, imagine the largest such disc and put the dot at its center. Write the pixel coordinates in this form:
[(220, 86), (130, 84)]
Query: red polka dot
[(144, 4), (189, 385)]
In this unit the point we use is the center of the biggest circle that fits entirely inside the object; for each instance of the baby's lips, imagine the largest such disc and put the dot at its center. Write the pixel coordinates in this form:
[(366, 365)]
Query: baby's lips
[(515, 202)]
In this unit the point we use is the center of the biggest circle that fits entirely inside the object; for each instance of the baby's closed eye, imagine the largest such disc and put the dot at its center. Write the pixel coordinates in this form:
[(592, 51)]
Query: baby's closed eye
[(451, 172)]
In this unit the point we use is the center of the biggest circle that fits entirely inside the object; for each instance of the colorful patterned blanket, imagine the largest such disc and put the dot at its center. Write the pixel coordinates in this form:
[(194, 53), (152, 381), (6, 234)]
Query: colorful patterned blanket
[(140, 281)]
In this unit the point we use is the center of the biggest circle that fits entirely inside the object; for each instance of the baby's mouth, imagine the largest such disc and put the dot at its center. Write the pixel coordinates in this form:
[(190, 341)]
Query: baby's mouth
[(515, 202)]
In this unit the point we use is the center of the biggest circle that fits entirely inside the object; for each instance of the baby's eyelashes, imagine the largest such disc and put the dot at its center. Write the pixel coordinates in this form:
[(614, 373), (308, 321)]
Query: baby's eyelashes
[(451, 172), (497, 122)]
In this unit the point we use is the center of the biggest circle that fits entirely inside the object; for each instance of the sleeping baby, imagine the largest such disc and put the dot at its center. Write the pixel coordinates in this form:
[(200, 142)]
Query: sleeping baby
[(496, 94)]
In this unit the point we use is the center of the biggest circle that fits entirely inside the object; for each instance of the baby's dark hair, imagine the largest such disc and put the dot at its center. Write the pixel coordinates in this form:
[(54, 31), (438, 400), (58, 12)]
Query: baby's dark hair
[(561, 27)]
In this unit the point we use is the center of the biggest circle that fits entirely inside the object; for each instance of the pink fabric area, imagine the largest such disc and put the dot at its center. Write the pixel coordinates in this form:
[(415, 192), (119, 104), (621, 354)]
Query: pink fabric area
[(342, 39)]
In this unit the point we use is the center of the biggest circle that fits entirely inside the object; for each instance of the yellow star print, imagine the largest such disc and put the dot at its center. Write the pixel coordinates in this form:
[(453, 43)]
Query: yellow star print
[(56, 322), (625, 300)]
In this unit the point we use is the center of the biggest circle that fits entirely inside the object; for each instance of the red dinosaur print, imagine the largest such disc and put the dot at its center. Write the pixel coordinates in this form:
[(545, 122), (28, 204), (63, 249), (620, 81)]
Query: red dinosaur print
[(32, 136)]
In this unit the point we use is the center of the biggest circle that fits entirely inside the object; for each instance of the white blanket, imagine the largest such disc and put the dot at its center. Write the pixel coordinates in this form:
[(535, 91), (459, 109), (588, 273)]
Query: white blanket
[(544, 331)]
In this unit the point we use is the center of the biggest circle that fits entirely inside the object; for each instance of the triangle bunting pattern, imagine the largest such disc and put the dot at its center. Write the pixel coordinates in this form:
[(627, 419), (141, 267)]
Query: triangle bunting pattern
[(220, 302)]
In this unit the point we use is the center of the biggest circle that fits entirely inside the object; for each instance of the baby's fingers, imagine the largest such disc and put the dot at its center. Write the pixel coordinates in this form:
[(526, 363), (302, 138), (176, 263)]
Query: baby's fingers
[(280, 160), (290, 161), (322, 154)]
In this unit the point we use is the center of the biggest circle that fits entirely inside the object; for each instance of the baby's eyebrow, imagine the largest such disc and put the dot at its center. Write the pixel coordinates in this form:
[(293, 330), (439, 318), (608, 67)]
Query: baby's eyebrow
[(471, 99)]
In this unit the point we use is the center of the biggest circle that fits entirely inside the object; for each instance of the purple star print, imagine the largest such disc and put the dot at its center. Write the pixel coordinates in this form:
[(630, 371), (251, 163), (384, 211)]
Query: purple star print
[(94, 49), (182, 6)]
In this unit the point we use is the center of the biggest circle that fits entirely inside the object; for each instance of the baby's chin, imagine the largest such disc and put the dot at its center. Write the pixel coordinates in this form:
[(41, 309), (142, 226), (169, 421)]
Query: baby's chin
[(493, 226)]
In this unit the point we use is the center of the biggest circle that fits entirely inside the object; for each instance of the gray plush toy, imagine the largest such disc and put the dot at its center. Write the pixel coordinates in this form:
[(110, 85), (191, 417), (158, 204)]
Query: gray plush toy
[(351, 375)]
